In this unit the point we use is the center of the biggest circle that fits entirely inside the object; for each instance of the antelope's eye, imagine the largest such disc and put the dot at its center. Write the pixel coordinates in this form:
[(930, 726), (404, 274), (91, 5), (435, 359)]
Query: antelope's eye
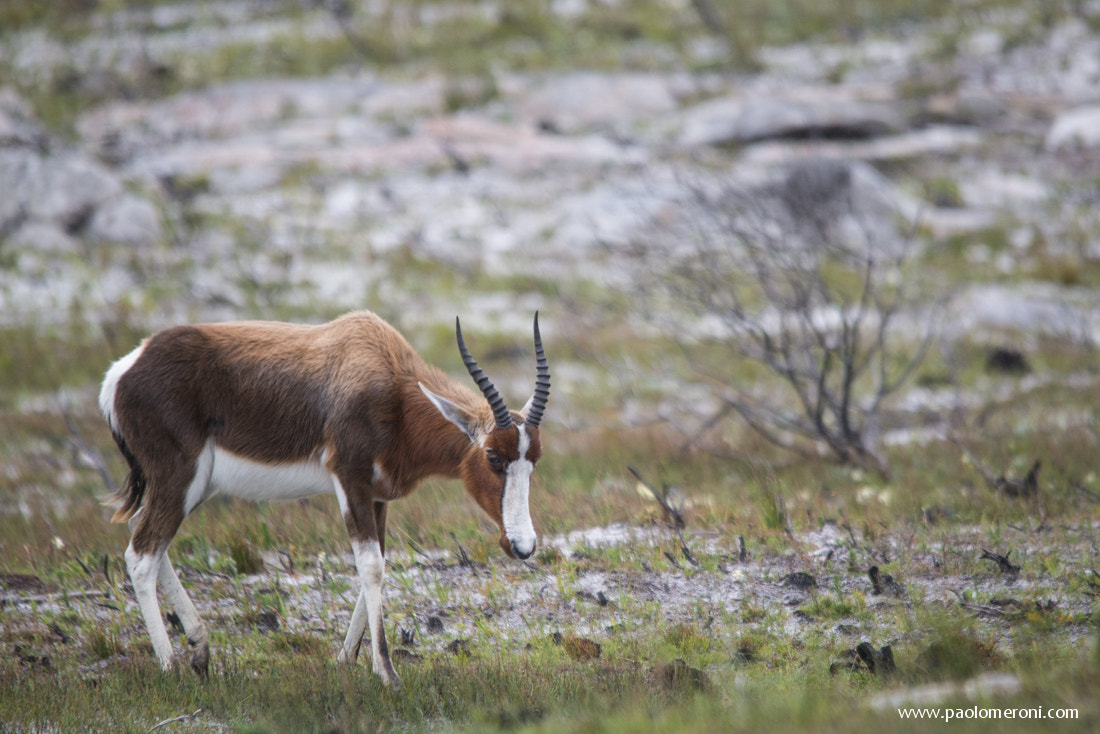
[(496, 462)]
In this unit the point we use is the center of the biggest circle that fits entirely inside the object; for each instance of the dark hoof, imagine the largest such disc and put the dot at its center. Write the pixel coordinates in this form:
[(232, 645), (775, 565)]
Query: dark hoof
[(200, 661)]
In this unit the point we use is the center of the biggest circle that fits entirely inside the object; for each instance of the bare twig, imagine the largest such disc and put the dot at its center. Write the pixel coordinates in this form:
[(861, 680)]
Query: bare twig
[(710, 17), (1005, 565), (106, 567), (988, 476), (1026, 487), (982, 609), (186, 717), (684, 548), (464, 559), (287, 561), (673, 515), (1088, 493), (44, 598), (82, 445), (341, 12), (84, 566)]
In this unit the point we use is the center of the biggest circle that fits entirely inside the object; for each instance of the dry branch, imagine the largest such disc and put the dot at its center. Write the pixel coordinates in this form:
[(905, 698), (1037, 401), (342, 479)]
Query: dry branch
[(781, 284), (1005, 565), (1009, 486), (673, 515)]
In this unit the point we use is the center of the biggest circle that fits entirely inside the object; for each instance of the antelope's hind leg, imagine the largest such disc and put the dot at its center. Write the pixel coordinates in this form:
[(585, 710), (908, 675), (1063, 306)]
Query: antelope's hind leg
[(144, 569), (166, 504), (193, 625)]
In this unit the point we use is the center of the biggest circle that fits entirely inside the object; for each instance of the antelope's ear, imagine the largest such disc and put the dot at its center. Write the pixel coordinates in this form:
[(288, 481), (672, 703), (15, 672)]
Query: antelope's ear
[(451, 412)]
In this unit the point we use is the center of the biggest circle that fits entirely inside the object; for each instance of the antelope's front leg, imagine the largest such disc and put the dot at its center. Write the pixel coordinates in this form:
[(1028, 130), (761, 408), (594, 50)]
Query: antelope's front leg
[(368, 612), (370, 563)]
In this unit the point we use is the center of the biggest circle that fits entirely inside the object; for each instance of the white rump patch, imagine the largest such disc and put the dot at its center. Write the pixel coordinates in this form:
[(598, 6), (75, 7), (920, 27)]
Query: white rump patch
[(110, 384)]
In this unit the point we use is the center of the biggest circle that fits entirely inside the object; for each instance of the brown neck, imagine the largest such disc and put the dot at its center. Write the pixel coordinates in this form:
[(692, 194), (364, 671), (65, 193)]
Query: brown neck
[(431, 445)]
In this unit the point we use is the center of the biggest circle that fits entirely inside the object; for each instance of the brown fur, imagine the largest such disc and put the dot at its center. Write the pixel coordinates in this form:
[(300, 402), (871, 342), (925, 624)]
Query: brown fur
[(276, 393), (350, 393), (130, 494)]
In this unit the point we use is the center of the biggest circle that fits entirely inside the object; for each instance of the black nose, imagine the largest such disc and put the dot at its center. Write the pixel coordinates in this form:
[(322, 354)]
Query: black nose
[(520, 554)]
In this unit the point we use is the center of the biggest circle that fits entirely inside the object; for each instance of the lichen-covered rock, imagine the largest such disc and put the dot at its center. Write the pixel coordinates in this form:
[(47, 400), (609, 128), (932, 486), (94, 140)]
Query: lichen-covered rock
[(52, 198), (125, 219), (585, 101), (66, 189), (17, 124), (814, 114), (1079, 127)]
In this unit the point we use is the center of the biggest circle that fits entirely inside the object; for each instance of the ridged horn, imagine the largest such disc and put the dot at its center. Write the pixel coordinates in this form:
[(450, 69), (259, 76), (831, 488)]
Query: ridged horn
[(496, 402), (542, 381)]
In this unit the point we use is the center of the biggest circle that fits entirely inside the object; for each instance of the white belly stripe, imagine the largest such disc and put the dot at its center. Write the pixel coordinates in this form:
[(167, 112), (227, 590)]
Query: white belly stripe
[(239, 477)]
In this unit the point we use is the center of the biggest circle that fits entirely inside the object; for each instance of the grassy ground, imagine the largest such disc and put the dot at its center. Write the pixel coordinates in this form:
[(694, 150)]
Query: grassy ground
[(726, 643)]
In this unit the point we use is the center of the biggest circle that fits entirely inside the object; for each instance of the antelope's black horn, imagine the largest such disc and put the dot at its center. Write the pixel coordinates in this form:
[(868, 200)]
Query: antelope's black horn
[(542, 381), (496, 402)]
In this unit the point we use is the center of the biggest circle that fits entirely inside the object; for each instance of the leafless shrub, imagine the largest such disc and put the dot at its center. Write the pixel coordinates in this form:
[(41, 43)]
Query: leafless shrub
[(805, 277)]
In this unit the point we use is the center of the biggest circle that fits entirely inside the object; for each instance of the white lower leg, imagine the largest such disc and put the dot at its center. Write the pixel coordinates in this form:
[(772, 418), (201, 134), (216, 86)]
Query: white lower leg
[(178, 597), (354, 639), (193, 626), (144, 569), (371, 566)]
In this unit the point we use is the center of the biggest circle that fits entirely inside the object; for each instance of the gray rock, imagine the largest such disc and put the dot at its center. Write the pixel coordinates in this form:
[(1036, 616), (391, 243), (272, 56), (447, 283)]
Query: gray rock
[(125, 219), (1034, 308), (1079, 127), (50, 199), (730, 121), (570, 103), (930, 141), (244, 109), (13, 164), (967, 108), (844, 201), (995, 188), (43, 237), (65, 189), (16, 168), (17, 124)]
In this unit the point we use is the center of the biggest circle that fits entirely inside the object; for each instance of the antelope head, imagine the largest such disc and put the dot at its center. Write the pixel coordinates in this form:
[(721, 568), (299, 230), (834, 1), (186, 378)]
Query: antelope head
[(504, 448)]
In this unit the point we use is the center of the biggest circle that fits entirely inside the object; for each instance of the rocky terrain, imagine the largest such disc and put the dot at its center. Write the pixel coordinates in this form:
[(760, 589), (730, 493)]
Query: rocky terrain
[(304, 195), (293, 159)]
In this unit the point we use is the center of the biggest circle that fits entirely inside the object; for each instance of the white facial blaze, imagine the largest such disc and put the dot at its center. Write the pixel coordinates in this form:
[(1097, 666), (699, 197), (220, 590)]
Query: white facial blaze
[(516, 511)]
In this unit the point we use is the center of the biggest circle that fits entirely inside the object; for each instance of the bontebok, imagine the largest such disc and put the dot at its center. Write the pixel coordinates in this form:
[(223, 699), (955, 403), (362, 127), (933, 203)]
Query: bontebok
[(274, 411)]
